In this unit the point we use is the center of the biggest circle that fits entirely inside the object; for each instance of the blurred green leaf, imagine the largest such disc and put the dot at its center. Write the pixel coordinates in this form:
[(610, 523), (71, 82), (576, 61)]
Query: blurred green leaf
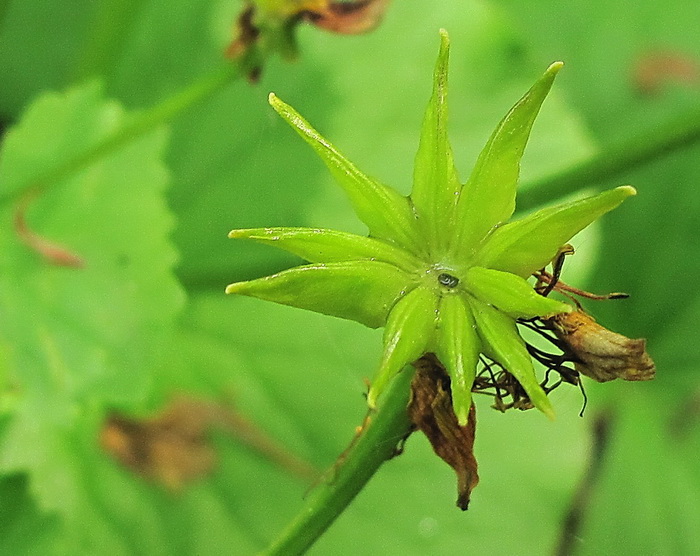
[(43, 58), (605, 46), (651, 479), (80, 339), (23, 527)]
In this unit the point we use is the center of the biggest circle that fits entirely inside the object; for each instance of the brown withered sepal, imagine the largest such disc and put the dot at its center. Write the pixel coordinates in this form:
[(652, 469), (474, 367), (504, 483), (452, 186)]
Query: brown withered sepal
[(599, 353), (430, 410)]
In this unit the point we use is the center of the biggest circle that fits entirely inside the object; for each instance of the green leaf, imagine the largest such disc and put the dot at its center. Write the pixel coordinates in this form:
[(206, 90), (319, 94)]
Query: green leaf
[(79, 340), (528, 244), (387, 214), (34, 148), (323, 245), (435, 182), (407, 336), (28, 65), (503, 344), (650, 472), (510, 293), (126, 295), (363, 291), (457, 347), (488, 197)]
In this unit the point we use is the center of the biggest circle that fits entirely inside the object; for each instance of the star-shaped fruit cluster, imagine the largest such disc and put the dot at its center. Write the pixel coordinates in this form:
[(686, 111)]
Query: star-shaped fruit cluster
[(445, 270)]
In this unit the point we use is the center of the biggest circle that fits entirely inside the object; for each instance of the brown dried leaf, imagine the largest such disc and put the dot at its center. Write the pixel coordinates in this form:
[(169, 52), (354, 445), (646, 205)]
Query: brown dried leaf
[(431, 411), (601, 354)]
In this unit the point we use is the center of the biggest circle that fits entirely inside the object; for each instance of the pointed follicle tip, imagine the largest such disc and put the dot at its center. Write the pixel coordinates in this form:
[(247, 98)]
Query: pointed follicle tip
[(463, 502), (555, 67), (463, 418)]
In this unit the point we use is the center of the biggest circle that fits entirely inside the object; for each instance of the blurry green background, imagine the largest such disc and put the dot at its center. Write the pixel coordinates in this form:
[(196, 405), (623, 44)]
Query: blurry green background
[(146, 319)]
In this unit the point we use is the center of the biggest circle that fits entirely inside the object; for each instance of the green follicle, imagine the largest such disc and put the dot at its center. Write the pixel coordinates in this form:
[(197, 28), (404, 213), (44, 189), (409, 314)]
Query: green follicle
[(445, 270)]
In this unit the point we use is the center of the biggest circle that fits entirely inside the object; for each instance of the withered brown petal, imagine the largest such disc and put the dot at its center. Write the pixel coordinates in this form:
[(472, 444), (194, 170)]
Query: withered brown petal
[(602, 355), (349, 17), (431, 411)]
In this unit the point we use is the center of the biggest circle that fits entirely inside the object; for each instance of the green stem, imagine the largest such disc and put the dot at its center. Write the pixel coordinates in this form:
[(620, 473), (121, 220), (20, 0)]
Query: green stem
[(143, 123), (376, 444), (613, 161)]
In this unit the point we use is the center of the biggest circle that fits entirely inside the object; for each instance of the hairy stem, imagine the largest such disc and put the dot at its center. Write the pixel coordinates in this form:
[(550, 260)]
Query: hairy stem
[(383, 429), (141, 124), (613, 161)]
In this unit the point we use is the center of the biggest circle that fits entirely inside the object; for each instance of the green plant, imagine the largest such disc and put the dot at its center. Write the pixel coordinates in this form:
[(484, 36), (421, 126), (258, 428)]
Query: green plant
[(142, 411), (444, 272)]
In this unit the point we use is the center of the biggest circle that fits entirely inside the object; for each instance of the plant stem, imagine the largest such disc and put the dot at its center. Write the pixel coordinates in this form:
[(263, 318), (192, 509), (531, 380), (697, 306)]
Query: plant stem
[(376, 443), (141, 124), (612, 161)]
